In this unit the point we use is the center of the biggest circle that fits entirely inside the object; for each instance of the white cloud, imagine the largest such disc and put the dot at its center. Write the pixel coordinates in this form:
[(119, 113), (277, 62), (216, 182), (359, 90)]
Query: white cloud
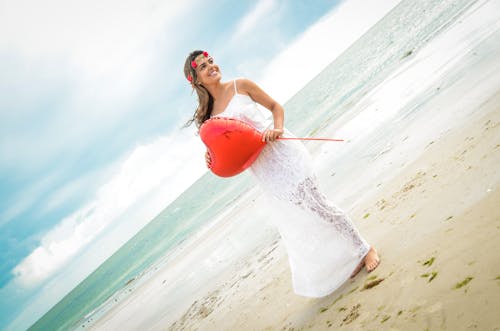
[(251, 20), (60, 195), (165, 167), (94, 57), (311, 52), (89, 31), (89, 40), (28, 199)]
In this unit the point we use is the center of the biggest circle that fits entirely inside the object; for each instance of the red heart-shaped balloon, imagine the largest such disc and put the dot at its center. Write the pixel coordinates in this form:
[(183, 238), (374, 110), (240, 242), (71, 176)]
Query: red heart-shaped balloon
[(233, 145)]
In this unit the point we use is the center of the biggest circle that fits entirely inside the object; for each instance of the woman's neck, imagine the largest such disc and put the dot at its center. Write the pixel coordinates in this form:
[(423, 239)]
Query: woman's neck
[(217, 89)]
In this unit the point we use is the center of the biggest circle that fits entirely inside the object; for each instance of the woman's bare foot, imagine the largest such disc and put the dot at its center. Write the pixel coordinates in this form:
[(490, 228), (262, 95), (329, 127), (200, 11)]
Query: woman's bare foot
[(358, 268), (371, 260)]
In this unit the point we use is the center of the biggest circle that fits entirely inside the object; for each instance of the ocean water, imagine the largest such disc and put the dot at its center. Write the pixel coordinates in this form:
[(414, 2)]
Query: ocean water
[(328, 98)]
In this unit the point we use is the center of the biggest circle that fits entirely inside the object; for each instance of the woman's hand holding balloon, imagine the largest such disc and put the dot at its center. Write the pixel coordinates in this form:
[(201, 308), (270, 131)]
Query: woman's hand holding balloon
[(271, 134), (208, 160)]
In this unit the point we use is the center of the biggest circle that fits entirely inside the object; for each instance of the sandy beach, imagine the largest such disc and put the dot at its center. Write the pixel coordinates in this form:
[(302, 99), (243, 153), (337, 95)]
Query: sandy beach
[(436, 226), (428, 200)]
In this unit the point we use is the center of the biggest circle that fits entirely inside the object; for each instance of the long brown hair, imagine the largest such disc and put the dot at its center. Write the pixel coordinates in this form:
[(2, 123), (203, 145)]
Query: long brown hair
[(205, 99)]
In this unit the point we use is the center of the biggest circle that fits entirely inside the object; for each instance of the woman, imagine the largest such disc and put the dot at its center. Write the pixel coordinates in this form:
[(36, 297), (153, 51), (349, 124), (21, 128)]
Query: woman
[(323, 246)]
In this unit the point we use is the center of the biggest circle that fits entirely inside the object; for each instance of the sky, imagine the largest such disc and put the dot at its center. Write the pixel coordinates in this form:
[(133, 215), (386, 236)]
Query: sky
[(92, 103)]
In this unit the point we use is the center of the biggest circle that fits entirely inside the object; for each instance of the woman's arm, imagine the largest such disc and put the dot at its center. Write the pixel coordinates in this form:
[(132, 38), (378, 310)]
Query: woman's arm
[(258, 95)]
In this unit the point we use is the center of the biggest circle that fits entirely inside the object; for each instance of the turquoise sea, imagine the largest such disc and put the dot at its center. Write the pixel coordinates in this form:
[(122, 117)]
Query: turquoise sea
[(371, 59)]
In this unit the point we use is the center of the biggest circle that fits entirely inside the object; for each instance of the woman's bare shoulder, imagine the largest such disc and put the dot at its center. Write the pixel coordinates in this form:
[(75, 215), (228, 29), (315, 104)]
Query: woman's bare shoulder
[(245, 85)]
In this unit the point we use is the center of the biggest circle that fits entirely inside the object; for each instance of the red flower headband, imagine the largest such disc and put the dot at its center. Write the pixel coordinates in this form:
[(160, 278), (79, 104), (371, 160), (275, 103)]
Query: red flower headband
[(194, 65)]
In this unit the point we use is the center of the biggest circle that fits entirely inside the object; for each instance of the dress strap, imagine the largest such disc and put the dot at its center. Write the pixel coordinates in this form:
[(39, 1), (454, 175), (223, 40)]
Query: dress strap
[(235, 90)]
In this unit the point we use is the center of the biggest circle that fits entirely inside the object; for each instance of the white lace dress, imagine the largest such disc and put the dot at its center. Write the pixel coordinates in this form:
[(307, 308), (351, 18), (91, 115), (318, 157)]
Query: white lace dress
[(323, 245)]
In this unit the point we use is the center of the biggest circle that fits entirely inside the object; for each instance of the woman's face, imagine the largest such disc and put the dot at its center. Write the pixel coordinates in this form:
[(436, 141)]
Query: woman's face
[(207, 71)]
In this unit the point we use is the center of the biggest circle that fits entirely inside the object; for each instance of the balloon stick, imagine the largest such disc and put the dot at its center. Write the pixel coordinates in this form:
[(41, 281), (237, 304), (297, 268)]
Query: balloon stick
[(324, 139)]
